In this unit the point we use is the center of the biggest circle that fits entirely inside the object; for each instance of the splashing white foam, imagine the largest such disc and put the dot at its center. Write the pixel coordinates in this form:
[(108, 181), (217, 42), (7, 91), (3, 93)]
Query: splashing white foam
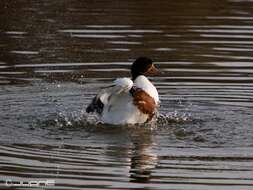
[(173, 117)]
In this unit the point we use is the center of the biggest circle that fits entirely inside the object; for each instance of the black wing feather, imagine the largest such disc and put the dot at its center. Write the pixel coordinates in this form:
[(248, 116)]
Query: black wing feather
[(96, 105)]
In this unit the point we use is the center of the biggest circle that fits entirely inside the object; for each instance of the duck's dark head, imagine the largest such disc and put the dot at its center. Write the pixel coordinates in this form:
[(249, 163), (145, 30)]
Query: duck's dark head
[(143, 66)]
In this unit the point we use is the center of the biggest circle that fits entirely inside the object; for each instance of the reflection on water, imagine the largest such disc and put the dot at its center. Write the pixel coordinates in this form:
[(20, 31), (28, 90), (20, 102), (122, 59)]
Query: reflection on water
[(144, 159), (55, 55)]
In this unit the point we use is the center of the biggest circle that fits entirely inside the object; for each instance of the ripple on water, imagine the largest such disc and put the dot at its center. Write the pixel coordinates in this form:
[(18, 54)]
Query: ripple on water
[(52, 64)]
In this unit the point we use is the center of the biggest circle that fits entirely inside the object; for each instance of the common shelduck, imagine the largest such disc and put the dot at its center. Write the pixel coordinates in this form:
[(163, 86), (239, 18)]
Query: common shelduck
[(128, 101)]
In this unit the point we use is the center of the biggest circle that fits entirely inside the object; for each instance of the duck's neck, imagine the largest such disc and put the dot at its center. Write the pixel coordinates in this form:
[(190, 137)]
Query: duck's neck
[(143, 83), (135, 77)]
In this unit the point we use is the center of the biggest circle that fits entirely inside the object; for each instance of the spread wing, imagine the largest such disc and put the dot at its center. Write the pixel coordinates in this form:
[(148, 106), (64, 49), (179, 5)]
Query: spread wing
[(102, 98)]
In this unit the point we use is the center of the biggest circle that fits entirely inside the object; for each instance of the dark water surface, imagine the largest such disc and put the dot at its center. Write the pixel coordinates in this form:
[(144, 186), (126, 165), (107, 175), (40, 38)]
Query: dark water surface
[(56, 54)]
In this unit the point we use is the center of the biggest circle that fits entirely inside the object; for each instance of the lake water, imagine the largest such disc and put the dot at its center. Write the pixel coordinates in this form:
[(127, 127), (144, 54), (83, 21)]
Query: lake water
[(55, 56)]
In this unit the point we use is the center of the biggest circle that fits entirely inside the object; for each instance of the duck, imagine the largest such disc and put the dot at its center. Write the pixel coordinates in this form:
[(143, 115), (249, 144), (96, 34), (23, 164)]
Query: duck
[(129, 100)]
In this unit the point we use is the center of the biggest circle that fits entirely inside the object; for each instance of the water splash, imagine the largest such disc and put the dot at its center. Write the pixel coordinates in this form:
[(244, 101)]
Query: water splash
[(65, 119), (173, 117), (73, 119), (82, 119)]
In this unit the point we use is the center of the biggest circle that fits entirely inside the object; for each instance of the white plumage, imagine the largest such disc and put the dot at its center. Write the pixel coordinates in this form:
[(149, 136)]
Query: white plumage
[(118, 102)]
